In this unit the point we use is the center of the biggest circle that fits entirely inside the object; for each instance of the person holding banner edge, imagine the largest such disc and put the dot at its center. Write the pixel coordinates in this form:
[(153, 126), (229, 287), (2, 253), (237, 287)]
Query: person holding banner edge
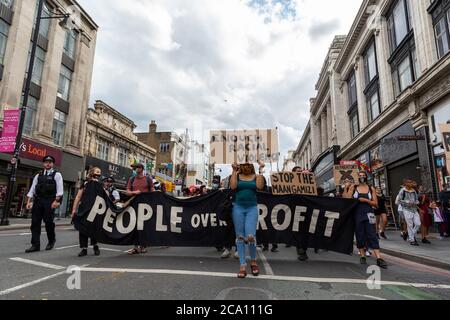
[(245, 182), (93, 176), (365, 218)]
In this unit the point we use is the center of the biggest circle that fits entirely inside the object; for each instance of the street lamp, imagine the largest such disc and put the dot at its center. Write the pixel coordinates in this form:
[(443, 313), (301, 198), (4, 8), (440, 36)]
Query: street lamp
[(26, 93)]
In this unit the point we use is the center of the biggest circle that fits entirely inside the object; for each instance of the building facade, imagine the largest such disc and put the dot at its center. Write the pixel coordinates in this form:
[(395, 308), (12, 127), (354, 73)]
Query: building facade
[(60, 89), (389, 89), (198, 165), (112, 146), (172, 154)]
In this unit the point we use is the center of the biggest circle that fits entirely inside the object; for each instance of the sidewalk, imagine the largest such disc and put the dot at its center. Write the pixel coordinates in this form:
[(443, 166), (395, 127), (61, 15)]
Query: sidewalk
[(22, 224), (436, 254)]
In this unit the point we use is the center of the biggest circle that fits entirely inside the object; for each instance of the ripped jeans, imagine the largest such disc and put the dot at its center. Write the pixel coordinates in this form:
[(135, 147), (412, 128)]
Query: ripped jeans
[(245, 222)]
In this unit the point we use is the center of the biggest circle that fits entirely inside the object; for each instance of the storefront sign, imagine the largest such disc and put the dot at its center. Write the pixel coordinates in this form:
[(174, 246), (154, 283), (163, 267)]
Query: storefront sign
[(284, 183), (120, 174), (10, 128), (37, 151), (445, 129), (346, 174), (410, 138), (244, 146)]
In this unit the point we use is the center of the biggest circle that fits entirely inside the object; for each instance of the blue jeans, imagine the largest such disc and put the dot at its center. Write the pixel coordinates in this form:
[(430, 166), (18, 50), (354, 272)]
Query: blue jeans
[(245, 222)]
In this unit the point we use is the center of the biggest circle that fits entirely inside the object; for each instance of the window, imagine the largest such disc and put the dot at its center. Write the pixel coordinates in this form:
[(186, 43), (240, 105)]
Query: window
[(8, 3), (373, 103), (405, 74), (102, 150), (441, 31), (70, 43), (441, 20), (59, 127), (122, 157), (398, 23), (38, 68), (65, 79), (45, 23), (352, 92), (372, 84), (370, 63), (403, 61), (164, 147), (354, 124), (4, 29), (30, 115)]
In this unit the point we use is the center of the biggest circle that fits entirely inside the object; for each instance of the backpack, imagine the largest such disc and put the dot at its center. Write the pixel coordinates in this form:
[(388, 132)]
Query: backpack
[(149, 182)]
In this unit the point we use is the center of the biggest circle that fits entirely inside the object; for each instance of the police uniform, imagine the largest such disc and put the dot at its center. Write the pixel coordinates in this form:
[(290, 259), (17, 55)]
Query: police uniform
[(47, 186)]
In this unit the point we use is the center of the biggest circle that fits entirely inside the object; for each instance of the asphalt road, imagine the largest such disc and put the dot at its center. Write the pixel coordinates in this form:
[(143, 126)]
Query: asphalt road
[(199, 273)]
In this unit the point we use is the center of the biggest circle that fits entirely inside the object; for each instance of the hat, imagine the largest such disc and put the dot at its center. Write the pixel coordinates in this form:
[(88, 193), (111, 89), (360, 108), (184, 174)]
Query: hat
[(138, 165), (49, 158), (109, 178)]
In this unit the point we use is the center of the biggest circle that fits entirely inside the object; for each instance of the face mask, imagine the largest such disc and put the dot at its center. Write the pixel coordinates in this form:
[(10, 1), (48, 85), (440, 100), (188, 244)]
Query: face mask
[(362, 180)]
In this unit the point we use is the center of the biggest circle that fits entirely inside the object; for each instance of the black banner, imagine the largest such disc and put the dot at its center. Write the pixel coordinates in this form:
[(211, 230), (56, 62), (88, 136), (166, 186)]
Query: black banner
[(161, 220)]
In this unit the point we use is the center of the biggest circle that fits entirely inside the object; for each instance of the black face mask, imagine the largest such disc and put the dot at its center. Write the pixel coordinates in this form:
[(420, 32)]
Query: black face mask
[(96, 176), (363, 180)]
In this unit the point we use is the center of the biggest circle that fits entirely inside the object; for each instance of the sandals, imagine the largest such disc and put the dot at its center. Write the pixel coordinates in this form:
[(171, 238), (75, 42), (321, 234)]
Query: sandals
[(255, 270), (242, 274), (133, 251)]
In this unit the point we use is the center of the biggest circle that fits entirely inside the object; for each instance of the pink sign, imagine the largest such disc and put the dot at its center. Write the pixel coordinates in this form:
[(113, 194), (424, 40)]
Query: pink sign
[(9, 132)]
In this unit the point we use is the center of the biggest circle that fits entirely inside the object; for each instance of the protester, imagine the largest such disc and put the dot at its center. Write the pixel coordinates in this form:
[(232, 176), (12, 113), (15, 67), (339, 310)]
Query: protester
[(409, 200), (44, 197), (302, 247), (138, 184), (203, 191), (401, 216), (425, 217), (444, 198), (365, 218), (93, 176), (438, 218), (246, 182), (381, 214), (108, 185)]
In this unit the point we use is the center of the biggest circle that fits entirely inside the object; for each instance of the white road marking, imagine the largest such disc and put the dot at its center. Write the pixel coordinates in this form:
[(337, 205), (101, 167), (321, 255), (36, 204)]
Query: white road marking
[(37, 263), (265, 277), (68, 247), (109, 249), (266, 264), (361, 295), (29, 284)]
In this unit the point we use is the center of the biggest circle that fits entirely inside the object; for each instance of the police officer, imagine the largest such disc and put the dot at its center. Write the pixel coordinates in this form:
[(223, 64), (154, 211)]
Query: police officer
[(108, 185), (44, 197)]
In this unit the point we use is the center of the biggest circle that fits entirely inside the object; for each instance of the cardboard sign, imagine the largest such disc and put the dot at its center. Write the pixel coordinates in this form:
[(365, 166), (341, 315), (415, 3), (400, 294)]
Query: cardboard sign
[(445, 129), (347, 173), (244, 146), (284, 183)]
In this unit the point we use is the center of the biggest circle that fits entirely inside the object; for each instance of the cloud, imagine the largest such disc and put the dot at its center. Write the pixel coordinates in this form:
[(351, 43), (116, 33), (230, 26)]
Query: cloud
[(214, 64), (323, 29)]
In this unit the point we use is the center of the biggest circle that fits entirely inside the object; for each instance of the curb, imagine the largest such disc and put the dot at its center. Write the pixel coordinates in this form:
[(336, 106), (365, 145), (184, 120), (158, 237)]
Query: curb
[(419, 259), (27, 227)]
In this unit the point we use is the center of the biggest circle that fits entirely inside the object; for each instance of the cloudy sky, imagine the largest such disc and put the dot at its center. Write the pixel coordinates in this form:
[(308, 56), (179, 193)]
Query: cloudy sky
[(215, 64)]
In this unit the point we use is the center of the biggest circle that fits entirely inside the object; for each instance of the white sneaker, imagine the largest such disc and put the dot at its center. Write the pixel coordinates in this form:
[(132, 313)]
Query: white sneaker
[(236, 255), (368, 253), (226, 254)]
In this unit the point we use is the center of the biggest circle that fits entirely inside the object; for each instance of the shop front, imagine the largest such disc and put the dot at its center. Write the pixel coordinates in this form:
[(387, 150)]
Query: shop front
[(31, 155), (323, 169), (437, 115), (399, 155)]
